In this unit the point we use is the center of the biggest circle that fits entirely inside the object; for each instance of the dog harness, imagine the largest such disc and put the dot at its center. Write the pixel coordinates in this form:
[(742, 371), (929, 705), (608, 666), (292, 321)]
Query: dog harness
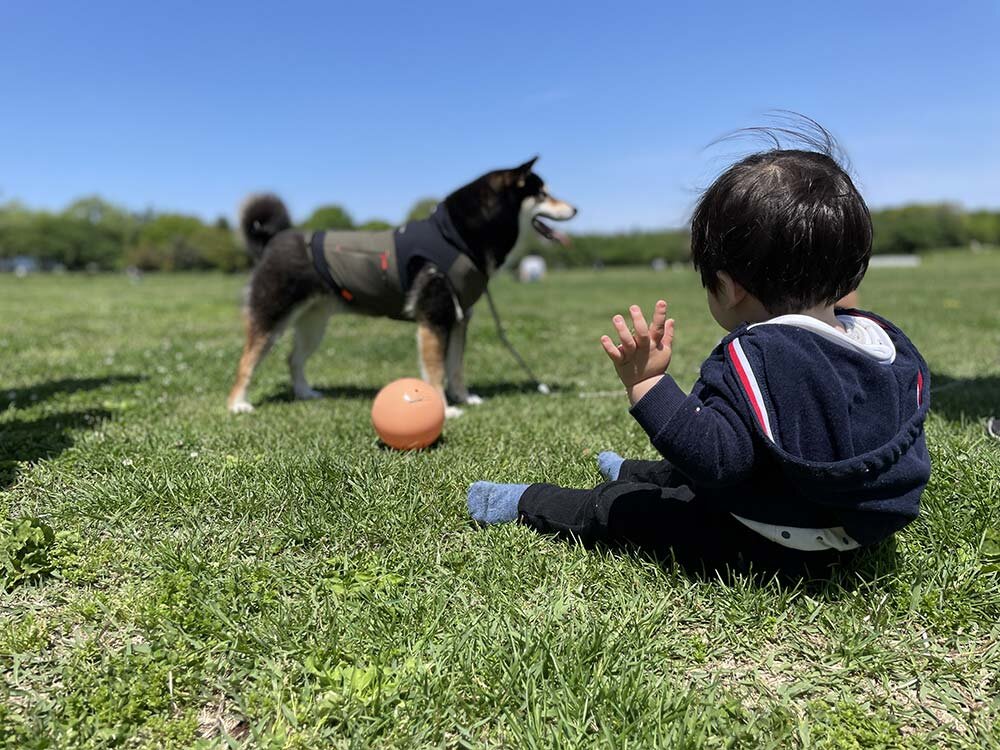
[(375, 270)]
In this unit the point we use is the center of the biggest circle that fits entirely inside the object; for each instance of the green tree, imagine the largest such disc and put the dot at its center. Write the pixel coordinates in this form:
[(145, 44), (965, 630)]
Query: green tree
[(58, 238), (329, 217), (95, 210), (375, 225), (80, 244), (910, 229), (15, 221), (165, 244), (217, 248), (422, 209), (110, 222), (983, 226), (632, 248)]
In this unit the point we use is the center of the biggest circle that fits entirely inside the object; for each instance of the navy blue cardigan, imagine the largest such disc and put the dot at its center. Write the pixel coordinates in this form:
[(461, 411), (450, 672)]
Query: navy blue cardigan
[(785, 426)]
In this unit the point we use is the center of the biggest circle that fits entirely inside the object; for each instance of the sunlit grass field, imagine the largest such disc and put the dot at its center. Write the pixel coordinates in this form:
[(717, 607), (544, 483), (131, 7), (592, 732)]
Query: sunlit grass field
[(280, 580)]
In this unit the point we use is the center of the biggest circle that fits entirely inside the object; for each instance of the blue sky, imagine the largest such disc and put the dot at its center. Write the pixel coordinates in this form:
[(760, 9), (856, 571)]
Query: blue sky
[(188, 106)]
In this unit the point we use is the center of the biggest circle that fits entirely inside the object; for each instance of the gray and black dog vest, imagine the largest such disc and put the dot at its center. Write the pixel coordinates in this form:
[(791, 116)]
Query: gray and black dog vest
[(375, 270)]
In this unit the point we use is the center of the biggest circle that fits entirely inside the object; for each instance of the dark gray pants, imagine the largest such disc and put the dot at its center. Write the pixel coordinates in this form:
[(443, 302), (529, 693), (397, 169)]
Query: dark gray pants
[(653, 505)]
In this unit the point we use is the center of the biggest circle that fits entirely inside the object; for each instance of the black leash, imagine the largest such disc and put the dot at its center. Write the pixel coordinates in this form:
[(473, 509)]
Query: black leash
[(542, 387)]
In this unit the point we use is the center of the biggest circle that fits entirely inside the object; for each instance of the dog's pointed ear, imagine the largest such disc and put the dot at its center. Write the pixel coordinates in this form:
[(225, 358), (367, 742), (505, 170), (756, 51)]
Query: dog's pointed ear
[(525, 168), (522, 172)]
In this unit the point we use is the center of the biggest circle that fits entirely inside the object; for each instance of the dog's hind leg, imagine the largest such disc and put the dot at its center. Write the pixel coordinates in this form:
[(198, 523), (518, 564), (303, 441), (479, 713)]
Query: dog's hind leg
[(257, 345), (283, 284), (310, 325)]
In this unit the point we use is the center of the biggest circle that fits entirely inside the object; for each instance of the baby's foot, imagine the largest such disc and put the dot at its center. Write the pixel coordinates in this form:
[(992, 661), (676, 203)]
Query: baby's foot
[(610, 464), (491, 502)]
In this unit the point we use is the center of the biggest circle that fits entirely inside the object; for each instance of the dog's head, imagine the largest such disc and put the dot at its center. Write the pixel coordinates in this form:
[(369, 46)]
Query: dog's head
[(501, 207), (536, 204)]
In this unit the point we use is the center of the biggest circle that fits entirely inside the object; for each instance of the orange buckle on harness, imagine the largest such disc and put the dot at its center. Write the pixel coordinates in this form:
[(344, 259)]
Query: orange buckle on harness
[(346, 295), (385, 261)]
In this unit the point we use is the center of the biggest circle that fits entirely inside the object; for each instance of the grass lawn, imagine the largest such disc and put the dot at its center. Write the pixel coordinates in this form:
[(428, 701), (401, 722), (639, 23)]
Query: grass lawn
[(278, 580)]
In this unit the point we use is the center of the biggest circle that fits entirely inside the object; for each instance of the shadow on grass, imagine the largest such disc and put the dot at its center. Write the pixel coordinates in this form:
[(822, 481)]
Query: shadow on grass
[(965, 398), (27, 440), (830, 577), (286, 395), (707, 545), (436, 445), (35, 394), (489, 390)]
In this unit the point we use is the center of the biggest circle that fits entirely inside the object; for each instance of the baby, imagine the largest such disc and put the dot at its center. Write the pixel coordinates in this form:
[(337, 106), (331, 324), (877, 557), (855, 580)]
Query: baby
[(803, 435)]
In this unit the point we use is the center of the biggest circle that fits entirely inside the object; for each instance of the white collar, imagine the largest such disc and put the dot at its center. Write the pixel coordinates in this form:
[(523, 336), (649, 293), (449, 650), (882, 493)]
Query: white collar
[(860, 334)]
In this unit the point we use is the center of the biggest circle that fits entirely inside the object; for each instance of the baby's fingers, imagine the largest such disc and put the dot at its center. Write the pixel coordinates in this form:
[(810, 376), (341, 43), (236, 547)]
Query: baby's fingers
[(612, 351), (668, 332), (656, 328), (624, 335), (639, 324)]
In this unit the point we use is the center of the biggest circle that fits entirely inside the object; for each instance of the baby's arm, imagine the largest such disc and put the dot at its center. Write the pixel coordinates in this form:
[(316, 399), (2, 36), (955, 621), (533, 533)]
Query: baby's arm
[(703, 434)]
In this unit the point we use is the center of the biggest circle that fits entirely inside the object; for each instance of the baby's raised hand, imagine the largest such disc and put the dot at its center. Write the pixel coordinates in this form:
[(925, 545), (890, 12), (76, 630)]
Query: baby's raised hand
[(644, 353)]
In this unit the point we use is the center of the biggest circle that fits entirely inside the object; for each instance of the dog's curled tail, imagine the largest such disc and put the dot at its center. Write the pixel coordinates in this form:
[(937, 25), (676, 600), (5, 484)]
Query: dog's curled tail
[(262, 216)]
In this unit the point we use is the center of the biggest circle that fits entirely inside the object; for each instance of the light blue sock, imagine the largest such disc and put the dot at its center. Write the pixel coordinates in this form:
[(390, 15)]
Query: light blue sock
[(492, 502), (610, 464)]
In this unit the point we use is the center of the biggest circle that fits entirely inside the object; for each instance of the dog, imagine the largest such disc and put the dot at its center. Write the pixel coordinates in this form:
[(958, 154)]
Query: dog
[(431, 272)]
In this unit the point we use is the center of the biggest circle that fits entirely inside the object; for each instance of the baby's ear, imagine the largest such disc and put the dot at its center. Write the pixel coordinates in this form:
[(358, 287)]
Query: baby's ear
[(731, 292)]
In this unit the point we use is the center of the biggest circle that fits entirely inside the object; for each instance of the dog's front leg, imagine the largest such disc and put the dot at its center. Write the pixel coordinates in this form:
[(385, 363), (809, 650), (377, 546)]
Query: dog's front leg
[(432, 343), (455, 364)]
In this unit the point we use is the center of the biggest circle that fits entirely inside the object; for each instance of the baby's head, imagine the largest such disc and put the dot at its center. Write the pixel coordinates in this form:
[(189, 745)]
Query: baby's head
[(786, 229)]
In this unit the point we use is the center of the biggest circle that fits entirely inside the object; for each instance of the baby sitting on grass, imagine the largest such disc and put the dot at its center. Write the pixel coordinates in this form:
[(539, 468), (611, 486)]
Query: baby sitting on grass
[(803, 436)]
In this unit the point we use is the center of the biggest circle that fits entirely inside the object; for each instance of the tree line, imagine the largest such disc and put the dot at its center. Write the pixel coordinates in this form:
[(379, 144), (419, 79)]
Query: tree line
[(905, 230), (92, 233)]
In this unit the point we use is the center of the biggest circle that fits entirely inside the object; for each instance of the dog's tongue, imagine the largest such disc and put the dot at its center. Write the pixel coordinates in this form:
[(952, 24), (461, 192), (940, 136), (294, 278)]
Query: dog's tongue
[(560, 237), (550, 233)]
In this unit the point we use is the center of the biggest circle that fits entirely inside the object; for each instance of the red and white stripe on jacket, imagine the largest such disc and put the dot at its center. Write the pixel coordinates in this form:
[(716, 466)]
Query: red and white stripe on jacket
[(750, 386)]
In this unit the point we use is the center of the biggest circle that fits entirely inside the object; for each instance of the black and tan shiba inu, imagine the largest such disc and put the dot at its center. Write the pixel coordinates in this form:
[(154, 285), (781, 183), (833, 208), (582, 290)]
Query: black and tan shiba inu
[(430, 271)]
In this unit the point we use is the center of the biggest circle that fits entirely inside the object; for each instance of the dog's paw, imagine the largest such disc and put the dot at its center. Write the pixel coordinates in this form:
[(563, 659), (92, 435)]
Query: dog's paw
[(240, 407), (307, 394), (450, 412), (473, 400)]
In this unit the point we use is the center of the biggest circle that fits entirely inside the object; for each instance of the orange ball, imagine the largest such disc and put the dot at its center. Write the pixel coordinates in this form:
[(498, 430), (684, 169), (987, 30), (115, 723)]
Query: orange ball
[(408, 414)]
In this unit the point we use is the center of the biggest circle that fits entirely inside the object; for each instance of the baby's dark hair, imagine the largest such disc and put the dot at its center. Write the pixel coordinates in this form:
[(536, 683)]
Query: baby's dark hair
[(788, 225)]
